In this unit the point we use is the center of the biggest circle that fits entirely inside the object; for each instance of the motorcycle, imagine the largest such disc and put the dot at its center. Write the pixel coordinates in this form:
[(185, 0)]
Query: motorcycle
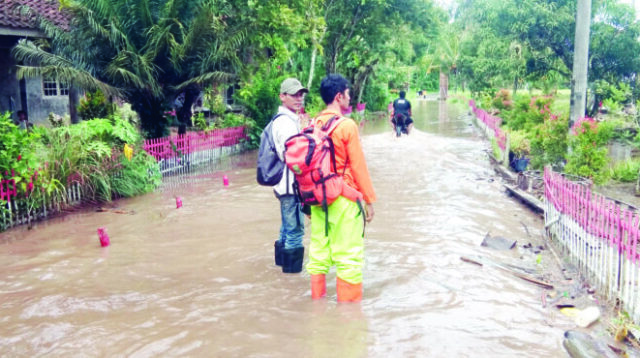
[(400, 124)]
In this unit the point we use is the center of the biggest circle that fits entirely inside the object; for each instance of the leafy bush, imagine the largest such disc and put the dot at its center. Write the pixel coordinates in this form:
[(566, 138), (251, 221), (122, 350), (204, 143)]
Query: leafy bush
[(502, 100), (611, 105), (260, 95), (626, 172), (16, 154), (376, 96), (215, 102), (519, 143), (200, 122), (314, 104), (616, 95), (529, 113), (549, 142), (137, 176), (89, 153), (94, 105), (588, 155)]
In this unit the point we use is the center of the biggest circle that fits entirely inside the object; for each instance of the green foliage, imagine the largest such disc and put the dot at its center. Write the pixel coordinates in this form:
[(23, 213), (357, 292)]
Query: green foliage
[(619, 94), (626, 171), (215, 102), (314, 104), (549, 142), (16, 152), (137, 176), (529, 113), (502, 100), (89, 153), (611, 105), (519, 144), (503, 42), (376, 96), (235, 120), (145, 54), (495, 149), (260, 94), (621, 326), (588, 155), (200, 122), (94, 105)]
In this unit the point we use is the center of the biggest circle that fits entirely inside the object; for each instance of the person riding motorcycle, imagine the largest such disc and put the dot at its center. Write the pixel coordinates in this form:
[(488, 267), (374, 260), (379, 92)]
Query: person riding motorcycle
[(401, 115)]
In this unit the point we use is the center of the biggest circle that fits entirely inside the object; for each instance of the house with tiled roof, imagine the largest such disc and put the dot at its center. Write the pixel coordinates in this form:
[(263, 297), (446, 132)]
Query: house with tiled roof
[(36, 96)]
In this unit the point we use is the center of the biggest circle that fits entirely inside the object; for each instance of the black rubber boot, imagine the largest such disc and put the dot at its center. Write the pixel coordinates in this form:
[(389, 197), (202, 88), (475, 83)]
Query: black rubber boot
[(278, 247), (292, 260)]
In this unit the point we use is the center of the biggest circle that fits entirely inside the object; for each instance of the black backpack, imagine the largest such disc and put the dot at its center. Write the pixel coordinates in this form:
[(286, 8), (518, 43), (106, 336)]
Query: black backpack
[(269, 167)]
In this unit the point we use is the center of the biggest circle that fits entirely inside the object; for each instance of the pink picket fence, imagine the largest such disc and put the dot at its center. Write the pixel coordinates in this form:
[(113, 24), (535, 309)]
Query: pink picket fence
[(599, 234), (192, 142), (179, 152), (492, 123)]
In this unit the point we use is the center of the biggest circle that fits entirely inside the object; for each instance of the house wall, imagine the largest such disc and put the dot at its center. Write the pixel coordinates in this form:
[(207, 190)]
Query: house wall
[(40, 106)]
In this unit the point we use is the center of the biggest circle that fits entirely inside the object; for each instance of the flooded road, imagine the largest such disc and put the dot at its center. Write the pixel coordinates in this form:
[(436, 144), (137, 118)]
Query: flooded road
[(200, 281)]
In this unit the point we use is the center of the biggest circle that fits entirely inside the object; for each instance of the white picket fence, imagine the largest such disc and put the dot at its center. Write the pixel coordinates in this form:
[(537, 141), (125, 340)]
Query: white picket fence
[(21, 211), (197, 149), (598, 235)]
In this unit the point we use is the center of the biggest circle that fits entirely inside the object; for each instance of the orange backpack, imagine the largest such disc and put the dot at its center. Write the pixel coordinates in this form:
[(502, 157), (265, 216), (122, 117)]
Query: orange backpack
[(311, 157)]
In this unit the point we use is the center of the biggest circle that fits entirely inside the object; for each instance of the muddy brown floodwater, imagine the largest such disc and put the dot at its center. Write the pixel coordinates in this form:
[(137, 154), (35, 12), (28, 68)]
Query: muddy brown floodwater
[(200, 281)]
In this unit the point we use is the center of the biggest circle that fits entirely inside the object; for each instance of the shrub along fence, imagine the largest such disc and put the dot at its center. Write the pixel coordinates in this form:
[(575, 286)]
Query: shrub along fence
[(490, 125), (599, 235), (175, 155), (178, 153)]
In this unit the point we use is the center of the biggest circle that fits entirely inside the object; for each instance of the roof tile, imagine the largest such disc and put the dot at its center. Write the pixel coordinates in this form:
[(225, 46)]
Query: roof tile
[(11, 16)]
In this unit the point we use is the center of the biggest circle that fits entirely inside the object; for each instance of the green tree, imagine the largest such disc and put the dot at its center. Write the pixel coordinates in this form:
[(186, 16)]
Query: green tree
[(360, 35), (545, 31), (147, 52)]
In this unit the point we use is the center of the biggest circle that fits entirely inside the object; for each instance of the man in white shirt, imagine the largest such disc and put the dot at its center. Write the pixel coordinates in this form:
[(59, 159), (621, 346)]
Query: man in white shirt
[(289, 251)]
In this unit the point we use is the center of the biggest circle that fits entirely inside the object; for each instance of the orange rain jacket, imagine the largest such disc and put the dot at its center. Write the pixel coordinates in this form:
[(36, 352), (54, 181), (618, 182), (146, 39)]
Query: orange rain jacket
[(346, 140)]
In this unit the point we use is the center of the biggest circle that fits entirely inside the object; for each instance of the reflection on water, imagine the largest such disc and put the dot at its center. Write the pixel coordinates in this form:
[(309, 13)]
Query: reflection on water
[(200, 280)]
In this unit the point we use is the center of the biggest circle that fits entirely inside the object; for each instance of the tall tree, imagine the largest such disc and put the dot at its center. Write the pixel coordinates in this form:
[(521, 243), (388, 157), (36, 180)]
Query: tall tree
[(361, 33)]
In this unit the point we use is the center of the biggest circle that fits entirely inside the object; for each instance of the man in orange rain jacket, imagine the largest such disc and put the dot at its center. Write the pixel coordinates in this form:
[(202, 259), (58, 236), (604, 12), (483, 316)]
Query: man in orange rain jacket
[(343, 246)]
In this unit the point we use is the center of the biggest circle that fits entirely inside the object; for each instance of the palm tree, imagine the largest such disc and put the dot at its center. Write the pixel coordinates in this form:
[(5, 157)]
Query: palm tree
[(146, 52), (443, 58)]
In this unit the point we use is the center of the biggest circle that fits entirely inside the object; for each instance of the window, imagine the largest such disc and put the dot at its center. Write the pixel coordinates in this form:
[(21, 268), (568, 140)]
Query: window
[(64, 88), (53, 88), (50, 87)]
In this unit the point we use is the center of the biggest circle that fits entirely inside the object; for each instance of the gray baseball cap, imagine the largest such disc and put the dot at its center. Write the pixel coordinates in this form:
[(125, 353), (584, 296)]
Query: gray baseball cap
[(292, 86)]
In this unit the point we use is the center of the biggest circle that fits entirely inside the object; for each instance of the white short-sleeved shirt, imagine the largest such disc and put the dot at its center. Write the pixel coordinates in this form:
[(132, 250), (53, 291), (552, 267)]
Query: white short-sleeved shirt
[(284, 126)]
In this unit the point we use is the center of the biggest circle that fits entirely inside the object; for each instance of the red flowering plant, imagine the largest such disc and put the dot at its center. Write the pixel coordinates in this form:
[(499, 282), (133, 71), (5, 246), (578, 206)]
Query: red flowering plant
[(18, 159), (549, 141), (528, 113), (502, 100)]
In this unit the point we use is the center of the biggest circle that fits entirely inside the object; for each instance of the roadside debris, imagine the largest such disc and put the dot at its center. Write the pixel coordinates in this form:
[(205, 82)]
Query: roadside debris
[(498, 242), (582, 345), (480, 261)]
